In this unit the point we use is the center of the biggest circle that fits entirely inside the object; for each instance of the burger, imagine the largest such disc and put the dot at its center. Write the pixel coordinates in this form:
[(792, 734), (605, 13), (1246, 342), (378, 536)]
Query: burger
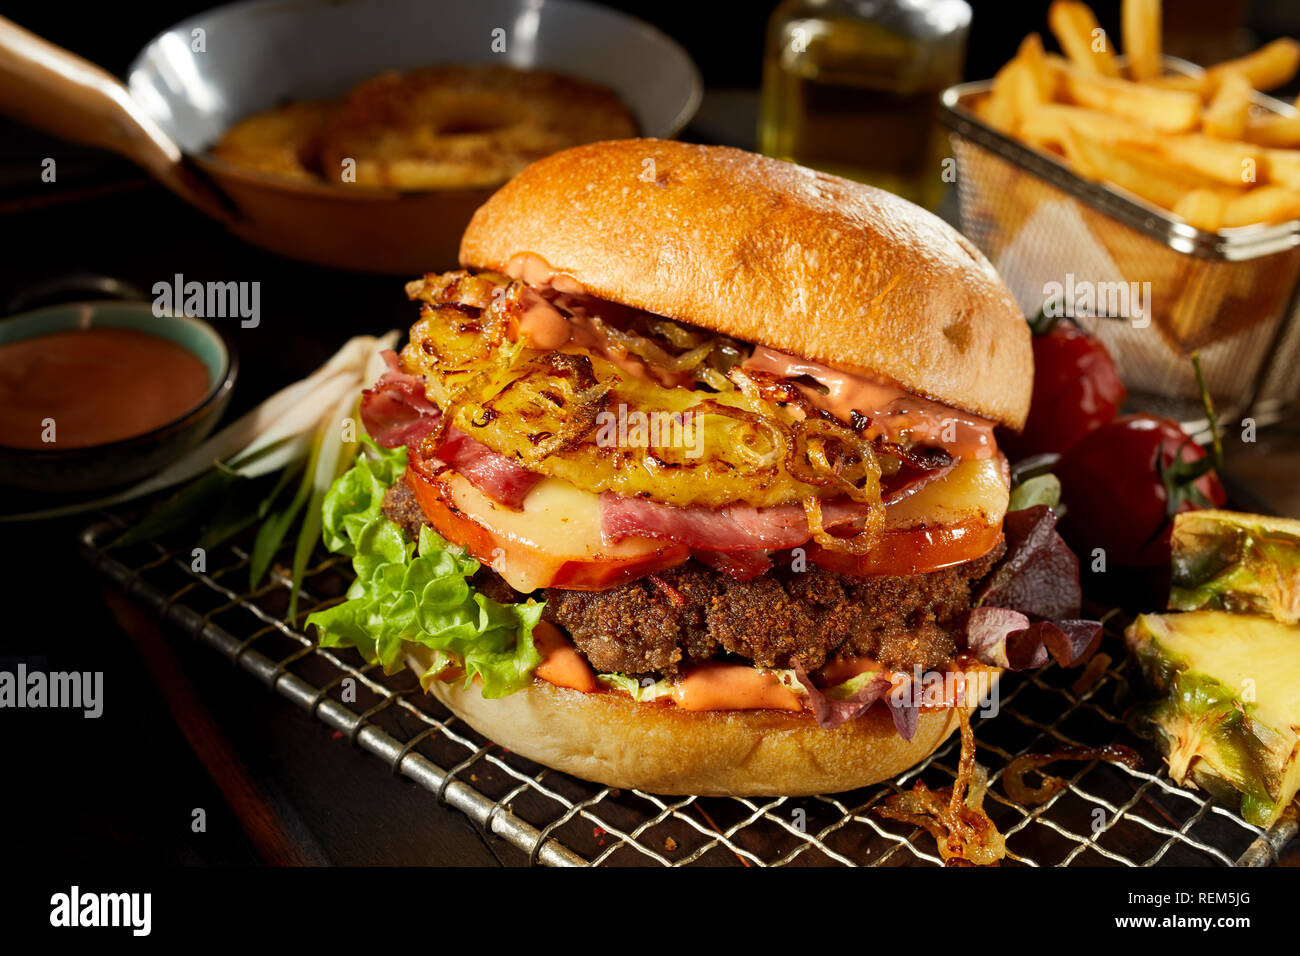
[(687, 480)]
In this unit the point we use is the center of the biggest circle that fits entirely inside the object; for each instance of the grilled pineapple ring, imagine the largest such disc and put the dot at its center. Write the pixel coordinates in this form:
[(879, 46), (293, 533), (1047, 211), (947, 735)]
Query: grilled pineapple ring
[(283, 141), (445, 127), (573, 415), (463, 126)]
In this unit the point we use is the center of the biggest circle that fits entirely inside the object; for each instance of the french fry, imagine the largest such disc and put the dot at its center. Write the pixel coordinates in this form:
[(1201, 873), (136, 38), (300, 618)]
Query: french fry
[(1225, 116), (1193, 145), (1230, 162), (1022, 86), (1273, 130), (1015, 93), (1141, 172), (1057, 63), (1170, 111), (1031, 54), (1140, 20), (1077, 155), (1083, 41), (1271, 66), (1000, 109), (1045, 127), (1265, 204), (1202, 208), (1198, 83), (1282, 167), (1048, 122), (1201, 296), (1131, 252)]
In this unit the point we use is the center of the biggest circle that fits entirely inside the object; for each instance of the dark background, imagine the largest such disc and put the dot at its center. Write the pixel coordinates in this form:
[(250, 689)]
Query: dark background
[(724, 38), (120, 790)]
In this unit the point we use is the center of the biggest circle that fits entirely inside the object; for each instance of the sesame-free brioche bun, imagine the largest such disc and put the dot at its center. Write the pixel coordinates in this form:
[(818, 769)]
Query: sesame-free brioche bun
[(775, 254), (609, 738)]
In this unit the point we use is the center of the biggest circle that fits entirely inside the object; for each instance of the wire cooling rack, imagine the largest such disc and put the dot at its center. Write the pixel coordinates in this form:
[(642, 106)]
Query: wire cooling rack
[(1106, 814)]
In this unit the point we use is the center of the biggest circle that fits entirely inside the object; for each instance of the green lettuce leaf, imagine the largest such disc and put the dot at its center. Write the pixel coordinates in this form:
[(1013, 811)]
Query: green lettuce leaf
[(416, 592), (848, 688), (1039, 490), (355, 498), (635, 689)]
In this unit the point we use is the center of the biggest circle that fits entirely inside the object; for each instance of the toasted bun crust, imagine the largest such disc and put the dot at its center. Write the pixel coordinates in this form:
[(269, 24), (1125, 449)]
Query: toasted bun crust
[(660, 748), (774, 254)]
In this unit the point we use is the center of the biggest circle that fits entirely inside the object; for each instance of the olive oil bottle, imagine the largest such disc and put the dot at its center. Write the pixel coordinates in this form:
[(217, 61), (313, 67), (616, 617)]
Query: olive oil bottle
[(852, 87)]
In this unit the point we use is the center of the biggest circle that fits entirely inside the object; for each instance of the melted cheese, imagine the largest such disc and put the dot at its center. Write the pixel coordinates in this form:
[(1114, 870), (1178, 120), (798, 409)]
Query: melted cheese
[(973, 490), (558, 524)]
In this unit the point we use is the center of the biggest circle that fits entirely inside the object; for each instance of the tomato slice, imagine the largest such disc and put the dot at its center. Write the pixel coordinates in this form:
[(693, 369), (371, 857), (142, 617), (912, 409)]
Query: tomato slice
[(913, 550), (547, 544), (946, 523)]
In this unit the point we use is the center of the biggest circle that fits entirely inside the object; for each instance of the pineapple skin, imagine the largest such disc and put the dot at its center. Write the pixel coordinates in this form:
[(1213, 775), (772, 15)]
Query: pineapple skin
[(1211, 736)]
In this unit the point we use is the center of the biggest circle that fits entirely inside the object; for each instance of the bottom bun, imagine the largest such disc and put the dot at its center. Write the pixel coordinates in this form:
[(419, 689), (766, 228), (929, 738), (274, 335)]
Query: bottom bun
[(658, 747)]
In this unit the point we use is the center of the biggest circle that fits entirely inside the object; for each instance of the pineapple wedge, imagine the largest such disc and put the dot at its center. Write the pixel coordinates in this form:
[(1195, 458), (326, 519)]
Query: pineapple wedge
[(1229, 717), (1226, 561)]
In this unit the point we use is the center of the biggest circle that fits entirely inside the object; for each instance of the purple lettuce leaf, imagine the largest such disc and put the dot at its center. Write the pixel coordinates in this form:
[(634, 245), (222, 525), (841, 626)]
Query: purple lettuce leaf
[(1006, 638), (904, 705), (1039, 575), (830, 712), (988, 630), (903, 702), (1027, 610)]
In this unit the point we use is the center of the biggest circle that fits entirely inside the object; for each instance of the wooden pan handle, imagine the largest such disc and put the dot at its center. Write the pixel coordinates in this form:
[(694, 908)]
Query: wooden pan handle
[(45, 86)]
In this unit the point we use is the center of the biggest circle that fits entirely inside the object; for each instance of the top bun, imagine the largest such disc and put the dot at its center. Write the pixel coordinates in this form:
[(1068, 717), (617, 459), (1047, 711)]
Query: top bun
[(775, 254)]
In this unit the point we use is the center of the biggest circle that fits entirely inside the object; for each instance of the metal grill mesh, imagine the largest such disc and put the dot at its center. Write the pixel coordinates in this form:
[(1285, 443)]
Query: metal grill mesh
[(1106, 814)]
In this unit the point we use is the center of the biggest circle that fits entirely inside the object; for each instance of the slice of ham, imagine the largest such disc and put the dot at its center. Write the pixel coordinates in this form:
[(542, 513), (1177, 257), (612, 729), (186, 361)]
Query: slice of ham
[(495, 475), (396, 412), (727, 530)]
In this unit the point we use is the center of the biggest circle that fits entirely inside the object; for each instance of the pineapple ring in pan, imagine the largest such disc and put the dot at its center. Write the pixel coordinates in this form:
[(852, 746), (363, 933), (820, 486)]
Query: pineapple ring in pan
[(435, 128)]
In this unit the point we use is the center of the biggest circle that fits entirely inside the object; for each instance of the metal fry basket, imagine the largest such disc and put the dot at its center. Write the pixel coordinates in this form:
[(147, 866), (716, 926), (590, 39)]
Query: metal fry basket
[(1232, 295), (1106, 814)]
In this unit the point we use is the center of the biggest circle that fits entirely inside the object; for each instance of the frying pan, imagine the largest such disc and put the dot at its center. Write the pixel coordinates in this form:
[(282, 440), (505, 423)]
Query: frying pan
[(193, 81)]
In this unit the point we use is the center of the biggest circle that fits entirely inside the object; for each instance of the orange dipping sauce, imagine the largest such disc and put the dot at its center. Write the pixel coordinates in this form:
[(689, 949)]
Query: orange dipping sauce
[(97, 385)]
